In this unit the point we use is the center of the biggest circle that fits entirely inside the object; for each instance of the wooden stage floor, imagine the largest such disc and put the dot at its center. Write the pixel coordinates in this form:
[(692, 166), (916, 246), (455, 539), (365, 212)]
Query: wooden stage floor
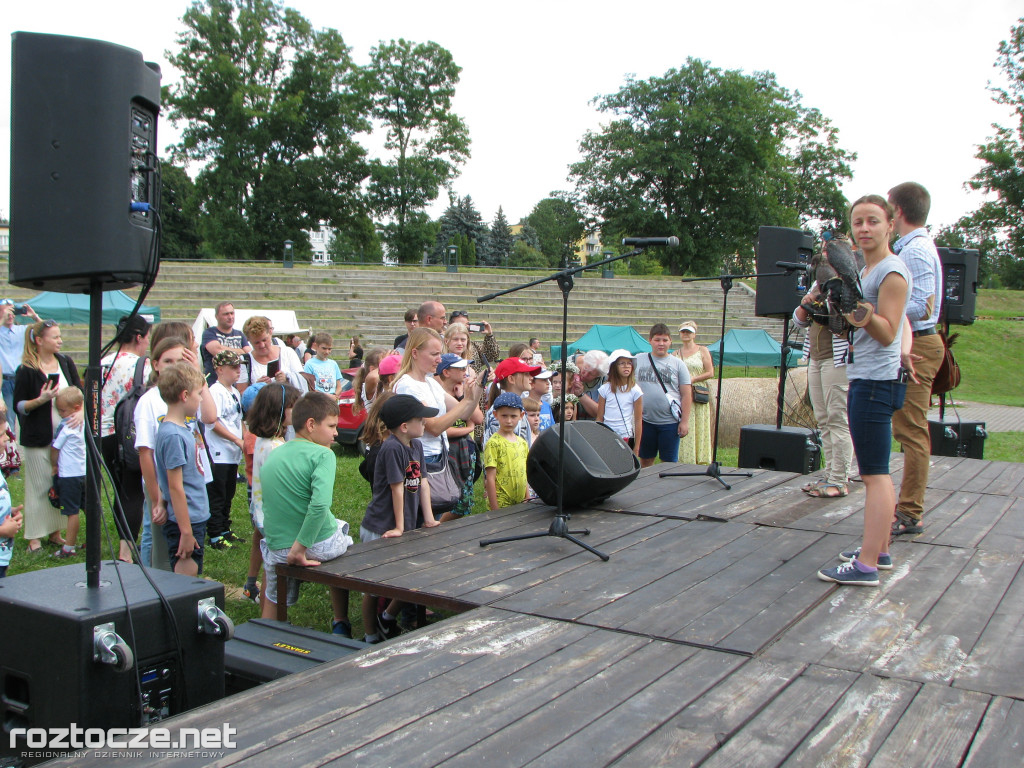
[(706, 639)]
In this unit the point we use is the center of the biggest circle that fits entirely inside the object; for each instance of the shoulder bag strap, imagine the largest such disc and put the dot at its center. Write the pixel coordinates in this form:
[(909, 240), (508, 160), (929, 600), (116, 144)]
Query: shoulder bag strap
[(651, 358)]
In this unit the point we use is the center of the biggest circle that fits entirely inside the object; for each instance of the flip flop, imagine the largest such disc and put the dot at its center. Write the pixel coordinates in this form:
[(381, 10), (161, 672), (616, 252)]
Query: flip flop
[(824, 491)]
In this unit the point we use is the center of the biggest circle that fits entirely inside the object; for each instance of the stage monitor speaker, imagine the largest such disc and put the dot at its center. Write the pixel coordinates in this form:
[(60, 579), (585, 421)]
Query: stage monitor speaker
[(786, 449), (598, 463), (960, 284), (51, 674), (84, 185), (778, 296), (957, 438)]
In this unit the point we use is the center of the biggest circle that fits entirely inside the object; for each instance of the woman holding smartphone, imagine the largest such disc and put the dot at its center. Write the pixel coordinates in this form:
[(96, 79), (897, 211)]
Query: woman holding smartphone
[(881, 349), (42, 374), (267, 362)]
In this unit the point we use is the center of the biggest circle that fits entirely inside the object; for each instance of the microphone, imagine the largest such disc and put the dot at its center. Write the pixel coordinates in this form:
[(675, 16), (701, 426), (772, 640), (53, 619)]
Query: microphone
[(645, 241), (792, 265)]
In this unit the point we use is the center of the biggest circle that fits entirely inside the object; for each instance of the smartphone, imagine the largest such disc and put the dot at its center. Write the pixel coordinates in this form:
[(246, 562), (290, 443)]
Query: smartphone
[(475, 327), (53, 379), (483, 379), (273, 367)]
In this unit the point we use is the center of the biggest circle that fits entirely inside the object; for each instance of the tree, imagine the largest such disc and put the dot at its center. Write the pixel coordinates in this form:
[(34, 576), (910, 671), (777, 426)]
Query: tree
[(559, 226), (271, 107), (501, 238), (412, 87), (708, 155), (523, 255), (358, 243), (528, 235), (998, 226), (179, 214), (462, 219)]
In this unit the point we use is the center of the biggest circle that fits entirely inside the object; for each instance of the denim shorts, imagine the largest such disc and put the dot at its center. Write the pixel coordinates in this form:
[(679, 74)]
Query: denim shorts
[(871, 405), (660, 439), (173, 535), (72, 492)]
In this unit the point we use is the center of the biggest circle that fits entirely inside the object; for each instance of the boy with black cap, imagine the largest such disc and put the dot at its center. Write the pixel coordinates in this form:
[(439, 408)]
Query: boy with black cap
[(401, 494)]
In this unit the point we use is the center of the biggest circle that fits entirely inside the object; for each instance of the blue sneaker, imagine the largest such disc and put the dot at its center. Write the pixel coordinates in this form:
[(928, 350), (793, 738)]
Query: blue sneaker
[(849, 573), (884, 561)]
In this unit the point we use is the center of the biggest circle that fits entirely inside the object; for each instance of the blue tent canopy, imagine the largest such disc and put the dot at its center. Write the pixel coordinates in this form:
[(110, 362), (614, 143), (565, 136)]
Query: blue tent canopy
[(607, 338), (754, 348), (72, 308)]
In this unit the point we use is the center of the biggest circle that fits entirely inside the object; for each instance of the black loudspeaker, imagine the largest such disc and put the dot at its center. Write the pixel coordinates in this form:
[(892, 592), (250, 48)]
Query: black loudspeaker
[(778, 296), (960, 285), (789, 449), (598, 463), (958, 438), (84, 186), (52, 669), (263, 650)]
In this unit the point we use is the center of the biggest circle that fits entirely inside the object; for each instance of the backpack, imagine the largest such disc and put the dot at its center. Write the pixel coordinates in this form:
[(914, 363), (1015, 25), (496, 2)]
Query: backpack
[(124, 420)]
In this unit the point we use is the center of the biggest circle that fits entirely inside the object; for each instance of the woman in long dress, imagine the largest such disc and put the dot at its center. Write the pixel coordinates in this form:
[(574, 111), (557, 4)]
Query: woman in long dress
[(695, 448)]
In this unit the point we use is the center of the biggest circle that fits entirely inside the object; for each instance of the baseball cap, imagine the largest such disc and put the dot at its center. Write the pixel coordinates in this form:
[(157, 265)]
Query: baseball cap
[(402, 408), (688, 326), (618, 354), (508, 400), (390, 365), (545, 373), (450, 360), (226, 357), (513, 365), (249, 396)]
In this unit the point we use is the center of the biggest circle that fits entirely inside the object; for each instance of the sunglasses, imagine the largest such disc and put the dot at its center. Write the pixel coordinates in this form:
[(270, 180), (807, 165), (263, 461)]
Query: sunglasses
[(46, 324)]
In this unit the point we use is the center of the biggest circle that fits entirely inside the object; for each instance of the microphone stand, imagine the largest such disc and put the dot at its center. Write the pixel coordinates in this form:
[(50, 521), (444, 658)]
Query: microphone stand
[(560, 524), (714, 469)]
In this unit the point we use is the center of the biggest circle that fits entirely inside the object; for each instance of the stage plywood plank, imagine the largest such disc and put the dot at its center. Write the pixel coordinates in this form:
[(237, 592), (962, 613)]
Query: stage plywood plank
[(1000, 739)]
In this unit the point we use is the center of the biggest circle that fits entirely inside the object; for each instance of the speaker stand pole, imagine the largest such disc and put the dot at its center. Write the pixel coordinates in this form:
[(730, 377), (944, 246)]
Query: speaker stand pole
[(714, 469), (560, 524), (93, 509)]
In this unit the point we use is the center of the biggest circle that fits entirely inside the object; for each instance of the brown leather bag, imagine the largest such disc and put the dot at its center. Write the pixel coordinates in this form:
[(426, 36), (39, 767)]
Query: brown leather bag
[(947, 378)]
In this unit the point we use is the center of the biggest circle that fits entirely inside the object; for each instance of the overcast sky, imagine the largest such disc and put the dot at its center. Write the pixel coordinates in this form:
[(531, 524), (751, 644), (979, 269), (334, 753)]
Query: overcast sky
[(905, 82)]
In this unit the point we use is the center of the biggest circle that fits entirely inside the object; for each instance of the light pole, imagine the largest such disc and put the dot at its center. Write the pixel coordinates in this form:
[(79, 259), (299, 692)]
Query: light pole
[(289, 261)]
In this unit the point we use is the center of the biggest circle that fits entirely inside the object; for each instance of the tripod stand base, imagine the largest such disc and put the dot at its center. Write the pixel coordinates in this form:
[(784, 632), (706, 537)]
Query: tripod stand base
[(560, 528), (714, 470)]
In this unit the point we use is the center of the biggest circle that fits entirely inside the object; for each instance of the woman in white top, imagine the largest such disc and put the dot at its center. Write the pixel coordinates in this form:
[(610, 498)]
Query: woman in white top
[(265, 352), (416, 377)]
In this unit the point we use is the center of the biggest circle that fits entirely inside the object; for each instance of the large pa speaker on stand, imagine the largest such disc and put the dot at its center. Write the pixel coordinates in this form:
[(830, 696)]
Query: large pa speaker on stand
[(960, 284), (778, 294), (84, 187)]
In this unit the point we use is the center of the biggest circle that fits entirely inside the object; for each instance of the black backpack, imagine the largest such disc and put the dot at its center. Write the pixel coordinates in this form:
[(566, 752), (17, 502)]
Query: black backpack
[(124, 420)]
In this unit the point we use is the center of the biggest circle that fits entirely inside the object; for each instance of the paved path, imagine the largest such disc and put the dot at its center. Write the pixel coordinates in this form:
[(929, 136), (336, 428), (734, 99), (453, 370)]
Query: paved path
[(997, 418)]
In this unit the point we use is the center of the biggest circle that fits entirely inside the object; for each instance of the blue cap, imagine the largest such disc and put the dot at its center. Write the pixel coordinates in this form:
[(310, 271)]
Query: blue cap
[(250, 394), (508, 400), (450, 360)]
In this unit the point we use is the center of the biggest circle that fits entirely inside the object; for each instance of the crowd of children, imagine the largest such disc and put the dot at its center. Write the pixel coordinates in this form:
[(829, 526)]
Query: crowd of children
[(423, 408)]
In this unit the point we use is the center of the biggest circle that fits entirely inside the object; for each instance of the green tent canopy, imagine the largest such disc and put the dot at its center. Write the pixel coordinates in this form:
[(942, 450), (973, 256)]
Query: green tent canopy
[(72, 308), (607, 338), (753, 348)]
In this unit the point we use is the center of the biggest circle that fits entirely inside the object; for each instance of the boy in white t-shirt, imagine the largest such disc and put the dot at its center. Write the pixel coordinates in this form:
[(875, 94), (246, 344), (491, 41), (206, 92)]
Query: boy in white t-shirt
[(224, 438), (67, 456)]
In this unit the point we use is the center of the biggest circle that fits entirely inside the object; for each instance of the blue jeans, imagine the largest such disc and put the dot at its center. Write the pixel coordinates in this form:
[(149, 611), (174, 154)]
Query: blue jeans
[(870, 405), (660, 440), (8, 393)]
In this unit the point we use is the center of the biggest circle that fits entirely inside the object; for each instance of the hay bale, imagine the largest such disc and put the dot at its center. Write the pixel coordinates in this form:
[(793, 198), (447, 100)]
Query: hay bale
[(754, 401)]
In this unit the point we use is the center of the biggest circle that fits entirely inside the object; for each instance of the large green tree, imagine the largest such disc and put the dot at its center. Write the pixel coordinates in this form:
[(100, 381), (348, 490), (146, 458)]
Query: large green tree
[(559, 226), (179, 214), (997, 228), (270, 108), (501, 238), (708, 155), (461, 224), (412, 87)]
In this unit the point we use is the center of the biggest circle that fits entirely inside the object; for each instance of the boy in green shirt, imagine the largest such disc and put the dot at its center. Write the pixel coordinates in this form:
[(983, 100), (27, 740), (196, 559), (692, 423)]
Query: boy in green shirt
[(298, 486)]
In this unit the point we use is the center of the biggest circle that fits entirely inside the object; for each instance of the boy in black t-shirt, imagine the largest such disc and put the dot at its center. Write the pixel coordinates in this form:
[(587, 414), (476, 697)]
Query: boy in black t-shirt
[(400, 493)]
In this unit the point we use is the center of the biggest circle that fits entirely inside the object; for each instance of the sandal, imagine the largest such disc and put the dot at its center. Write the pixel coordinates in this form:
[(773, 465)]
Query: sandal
[(905, 524), (811, 486), (829, 491)]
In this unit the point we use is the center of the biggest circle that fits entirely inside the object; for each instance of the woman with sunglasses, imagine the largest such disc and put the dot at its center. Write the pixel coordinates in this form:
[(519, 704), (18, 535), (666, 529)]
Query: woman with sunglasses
[(42, 374)]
